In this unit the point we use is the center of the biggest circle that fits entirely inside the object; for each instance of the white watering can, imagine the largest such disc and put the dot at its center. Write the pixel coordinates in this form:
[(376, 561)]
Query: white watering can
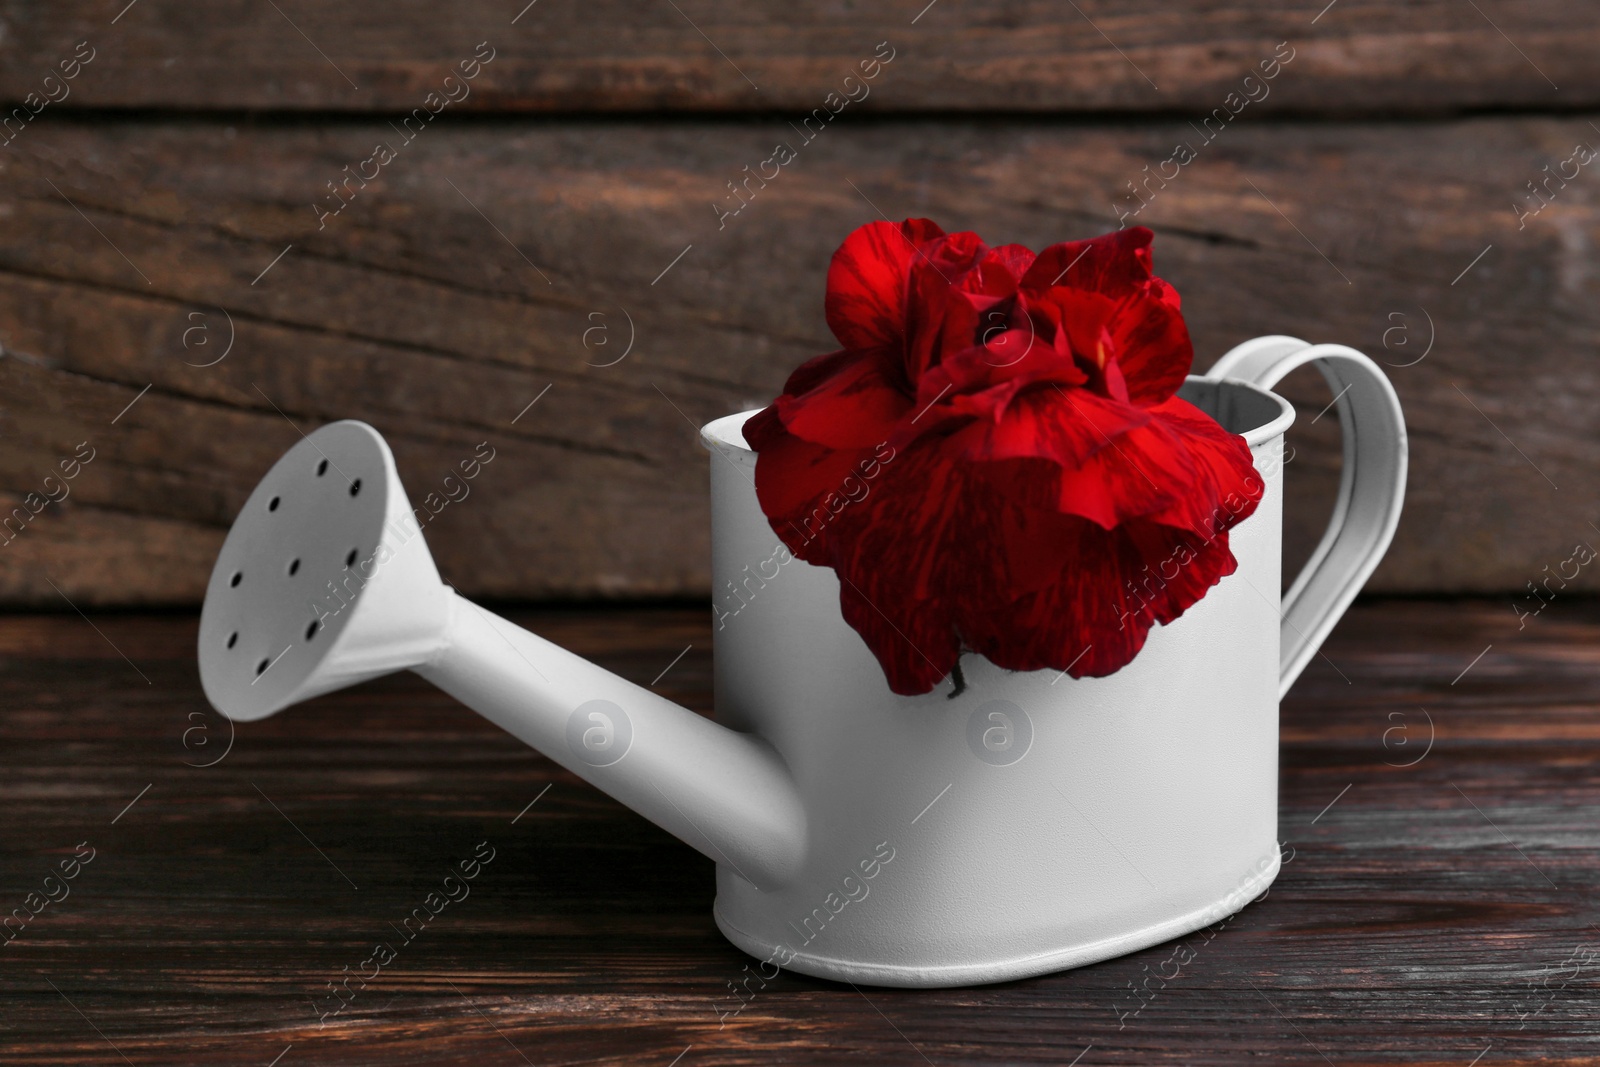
[(1034, 823)]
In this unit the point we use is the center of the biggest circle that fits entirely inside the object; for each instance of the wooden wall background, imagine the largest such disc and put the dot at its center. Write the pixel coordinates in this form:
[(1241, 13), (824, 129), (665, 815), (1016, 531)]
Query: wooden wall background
[(161, 207)]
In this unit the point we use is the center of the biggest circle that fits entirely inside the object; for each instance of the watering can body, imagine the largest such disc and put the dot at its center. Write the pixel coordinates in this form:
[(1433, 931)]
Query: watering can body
[(1032, 823)]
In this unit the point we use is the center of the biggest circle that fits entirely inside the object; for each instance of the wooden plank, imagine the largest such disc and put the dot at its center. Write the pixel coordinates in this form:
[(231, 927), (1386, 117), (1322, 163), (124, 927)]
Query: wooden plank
[(481, 271), (1405, 928), (624, 55)]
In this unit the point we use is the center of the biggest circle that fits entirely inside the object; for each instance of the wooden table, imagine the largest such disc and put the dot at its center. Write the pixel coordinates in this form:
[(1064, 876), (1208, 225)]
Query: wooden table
[(1438, 906)]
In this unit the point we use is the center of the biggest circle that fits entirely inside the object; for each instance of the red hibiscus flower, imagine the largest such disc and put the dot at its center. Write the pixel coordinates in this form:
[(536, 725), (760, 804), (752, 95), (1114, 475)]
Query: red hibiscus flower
[(996, 461)]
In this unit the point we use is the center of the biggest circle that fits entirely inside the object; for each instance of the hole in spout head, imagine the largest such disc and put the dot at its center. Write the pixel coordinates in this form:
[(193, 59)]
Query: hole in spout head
[(272, 505), (355, 487), (322, 468), (294, 566), (234, 581), (311, 631), (350, 559), (233, 639), (262, 667)]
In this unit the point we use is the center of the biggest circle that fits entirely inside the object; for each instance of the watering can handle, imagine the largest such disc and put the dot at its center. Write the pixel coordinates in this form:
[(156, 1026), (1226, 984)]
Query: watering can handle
[(1371, 487)]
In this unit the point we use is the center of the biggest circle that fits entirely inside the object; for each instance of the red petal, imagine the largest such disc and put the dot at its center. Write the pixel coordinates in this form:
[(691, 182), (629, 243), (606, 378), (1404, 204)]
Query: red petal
[(1016, 259), (1106, 284), (1115, 265), (794, 479), (1153, 349), (1112, 587), (867, 283), (941, 315), (916, 653), (1225, 487), (856, 406), (1066, 426), (1179, 468), (890, 548)]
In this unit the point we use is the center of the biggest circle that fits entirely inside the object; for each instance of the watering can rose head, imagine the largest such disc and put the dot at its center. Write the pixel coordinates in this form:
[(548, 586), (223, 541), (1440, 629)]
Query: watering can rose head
[(996, 460)]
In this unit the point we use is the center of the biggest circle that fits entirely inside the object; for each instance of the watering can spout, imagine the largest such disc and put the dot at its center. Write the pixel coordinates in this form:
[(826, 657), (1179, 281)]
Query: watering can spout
[(325, 581), (724, 792)]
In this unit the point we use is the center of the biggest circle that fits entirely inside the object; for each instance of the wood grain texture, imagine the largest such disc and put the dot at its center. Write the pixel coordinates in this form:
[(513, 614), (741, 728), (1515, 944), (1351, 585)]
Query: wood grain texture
[(1439, 883), (495, 264), (625, 55)]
